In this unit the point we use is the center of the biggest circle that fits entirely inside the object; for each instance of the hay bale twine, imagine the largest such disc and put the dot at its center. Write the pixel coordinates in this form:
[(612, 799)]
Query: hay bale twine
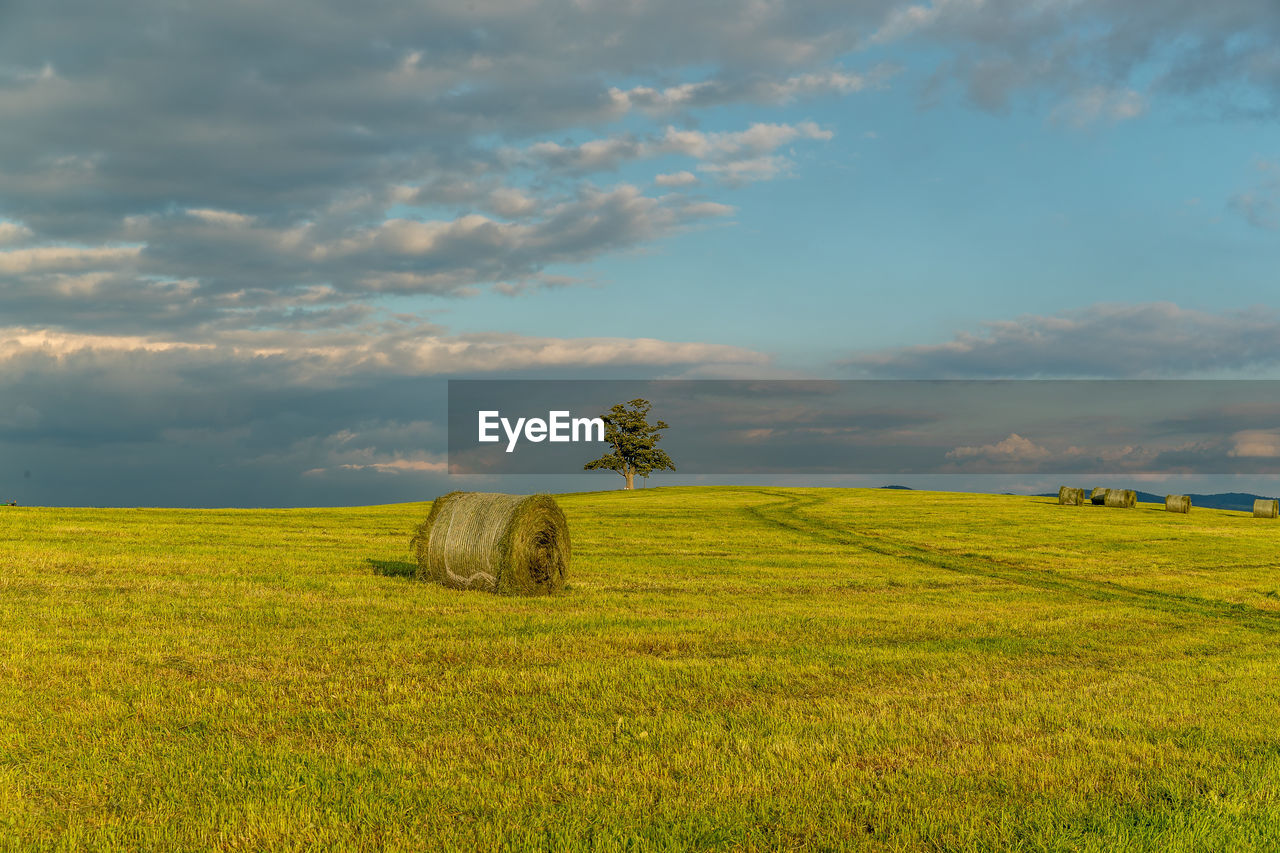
[(1123, 498), (508, 544), (1266, 509), (1098, 496), (1068, 496), (1177, 503)]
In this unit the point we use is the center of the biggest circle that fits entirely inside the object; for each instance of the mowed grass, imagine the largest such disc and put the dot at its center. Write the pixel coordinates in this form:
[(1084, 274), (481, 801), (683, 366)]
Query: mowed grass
[(730, 668)]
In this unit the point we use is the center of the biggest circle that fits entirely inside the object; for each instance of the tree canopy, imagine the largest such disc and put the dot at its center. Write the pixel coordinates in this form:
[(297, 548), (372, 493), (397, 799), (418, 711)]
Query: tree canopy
[(634, 440)]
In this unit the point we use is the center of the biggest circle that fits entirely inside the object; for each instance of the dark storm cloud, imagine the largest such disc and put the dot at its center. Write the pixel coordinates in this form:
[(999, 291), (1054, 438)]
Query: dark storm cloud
[(891, 428), (265, 417)]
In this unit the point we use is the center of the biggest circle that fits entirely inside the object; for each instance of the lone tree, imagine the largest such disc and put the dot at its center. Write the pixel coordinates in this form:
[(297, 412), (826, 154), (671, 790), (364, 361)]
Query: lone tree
[(634, 443)]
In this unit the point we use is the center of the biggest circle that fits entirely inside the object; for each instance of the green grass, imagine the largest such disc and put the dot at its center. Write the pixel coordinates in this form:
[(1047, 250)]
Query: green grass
[(729, 669)]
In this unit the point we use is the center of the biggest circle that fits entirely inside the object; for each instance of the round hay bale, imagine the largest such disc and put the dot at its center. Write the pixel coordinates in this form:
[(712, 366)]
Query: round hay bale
[(1068, 496), (1266, 509), (1098, 496), (1124, 498), (508, 544), (1177, 503)]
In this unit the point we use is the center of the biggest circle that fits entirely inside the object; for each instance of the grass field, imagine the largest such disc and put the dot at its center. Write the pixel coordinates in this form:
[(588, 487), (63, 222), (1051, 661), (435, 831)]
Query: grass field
[(730, 668)]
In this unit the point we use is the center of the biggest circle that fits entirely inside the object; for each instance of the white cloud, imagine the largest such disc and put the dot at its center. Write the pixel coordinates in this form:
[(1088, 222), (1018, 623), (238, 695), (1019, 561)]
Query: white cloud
[(748, 170), (1099, 103), (16, 343), (510, 202), (709, 209), (397, 466), (759, 138), (215, 266), (390, 349), (757, 89), (46, 258), (735, 156), (1014, 448), (676, 179), (13, 232), (221, 217), (829, 81), (902, 21), (1256, 443)]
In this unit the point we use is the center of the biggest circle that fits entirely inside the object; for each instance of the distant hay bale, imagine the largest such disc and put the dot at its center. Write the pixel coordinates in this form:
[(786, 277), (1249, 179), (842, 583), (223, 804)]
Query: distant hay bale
[(1098, 496), (1068, 496), (1177, 503), (1124, 498), (1266, 509), (508, 544)]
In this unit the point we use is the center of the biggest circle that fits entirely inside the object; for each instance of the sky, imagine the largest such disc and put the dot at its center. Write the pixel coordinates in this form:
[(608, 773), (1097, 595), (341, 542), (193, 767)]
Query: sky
[(244, 245)]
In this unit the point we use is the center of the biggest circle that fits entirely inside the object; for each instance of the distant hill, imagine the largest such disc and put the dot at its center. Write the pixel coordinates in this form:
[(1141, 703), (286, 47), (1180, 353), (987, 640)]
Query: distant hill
[(1242, 501), (904, 488)]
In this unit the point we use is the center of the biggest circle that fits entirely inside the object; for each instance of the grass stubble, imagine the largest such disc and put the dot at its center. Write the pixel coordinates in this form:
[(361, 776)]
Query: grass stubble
[(729, 668)]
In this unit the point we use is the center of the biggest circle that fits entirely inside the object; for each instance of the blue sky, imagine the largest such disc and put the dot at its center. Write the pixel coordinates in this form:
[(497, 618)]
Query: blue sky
[(242, 247), (947, 217)]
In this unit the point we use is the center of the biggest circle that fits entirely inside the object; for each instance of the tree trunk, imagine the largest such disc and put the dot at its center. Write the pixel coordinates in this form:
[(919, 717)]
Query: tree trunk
[(630, 474)]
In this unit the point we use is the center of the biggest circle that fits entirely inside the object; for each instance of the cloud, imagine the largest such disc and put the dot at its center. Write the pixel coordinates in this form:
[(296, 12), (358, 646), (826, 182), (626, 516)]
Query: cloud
[(676, 179), (65, 258), (1018, 454), (272, 416), (606, 154), (235, 166), (397, 466), (381, 448), (1014, 448), (755, 88), (329, 357), (203, 266), (239, 171), (1099, 59), (904, 20), (1099, 103), (13, 232), (1260, 206), (1107, 340), (221, 217), (749, 170), (736, 156), (1255, 443), (511, 203)]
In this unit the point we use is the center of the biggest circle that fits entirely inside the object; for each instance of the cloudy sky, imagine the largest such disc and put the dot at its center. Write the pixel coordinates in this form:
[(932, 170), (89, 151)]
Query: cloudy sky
[(243, 245)]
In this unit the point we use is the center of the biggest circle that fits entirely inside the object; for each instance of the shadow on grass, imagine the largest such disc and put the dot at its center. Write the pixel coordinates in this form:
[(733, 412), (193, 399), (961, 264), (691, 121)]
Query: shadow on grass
[(393, 568)]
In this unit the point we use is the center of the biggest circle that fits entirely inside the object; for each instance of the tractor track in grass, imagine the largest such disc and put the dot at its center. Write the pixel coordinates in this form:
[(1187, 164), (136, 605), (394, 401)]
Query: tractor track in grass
[(788, 513)]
